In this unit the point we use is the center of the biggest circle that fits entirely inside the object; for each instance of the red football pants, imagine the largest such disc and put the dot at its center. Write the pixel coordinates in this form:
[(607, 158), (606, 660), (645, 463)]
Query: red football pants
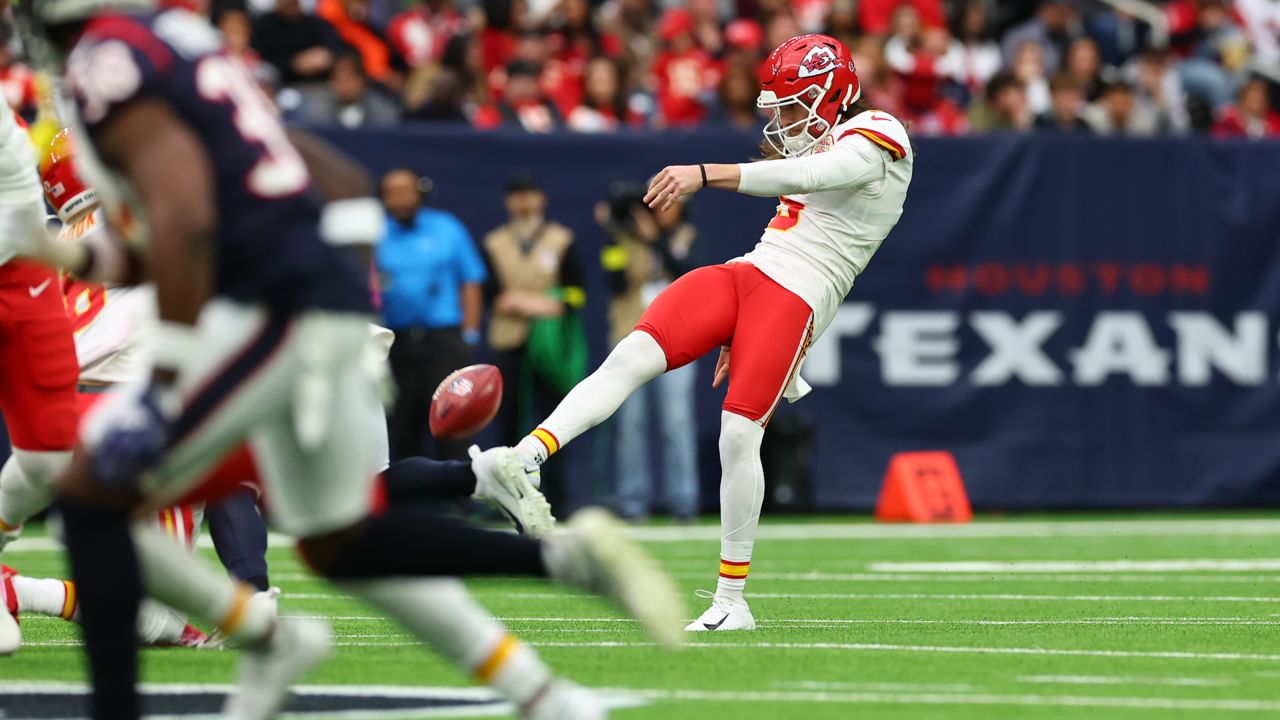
[(38, 367), (767, 328)]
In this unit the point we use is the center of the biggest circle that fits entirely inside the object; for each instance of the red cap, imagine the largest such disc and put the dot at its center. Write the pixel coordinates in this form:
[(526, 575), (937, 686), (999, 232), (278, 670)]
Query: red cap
[(744, 34), (675, 22)]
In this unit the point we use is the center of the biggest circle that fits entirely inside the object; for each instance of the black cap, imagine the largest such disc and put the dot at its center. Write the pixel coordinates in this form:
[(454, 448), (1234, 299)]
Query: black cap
[(522, 183)]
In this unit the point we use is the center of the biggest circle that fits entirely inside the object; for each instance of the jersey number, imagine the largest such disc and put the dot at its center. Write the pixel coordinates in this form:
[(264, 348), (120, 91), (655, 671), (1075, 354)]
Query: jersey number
[(788, 215), (84, 302), (281, 171)]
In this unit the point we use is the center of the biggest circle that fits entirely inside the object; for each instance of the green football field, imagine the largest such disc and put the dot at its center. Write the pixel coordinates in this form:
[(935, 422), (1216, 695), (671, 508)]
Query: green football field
[(1132, 616)]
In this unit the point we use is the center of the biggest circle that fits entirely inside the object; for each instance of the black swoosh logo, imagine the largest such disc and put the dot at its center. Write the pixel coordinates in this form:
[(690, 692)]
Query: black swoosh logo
[(709, 626)]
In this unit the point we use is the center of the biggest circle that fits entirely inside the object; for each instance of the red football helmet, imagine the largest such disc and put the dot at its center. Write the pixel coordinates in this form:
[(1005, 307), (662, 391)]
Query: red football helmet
[(815, 72), (63, 188)]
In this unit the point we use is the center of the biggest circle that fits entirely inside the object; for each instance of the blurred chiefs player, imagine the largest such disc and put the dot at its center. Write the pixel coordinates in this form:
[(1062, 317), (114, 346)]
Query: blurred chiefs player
[(38, 382), (37, 357), (841, 172), (108, 323)]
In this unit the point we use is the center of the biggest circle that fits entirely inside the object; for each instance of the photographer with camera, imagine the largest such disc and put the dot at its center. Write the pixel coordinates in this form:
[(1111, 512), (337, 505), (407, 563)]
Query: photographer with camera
[(646, 250)]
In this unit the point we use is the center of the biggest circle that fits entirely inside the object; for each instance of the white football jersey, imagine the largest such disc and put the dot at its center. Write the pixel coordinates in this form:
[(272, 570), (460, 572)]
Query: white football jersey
[(21, 196), (819, 242), (19, 179), (112, 325)]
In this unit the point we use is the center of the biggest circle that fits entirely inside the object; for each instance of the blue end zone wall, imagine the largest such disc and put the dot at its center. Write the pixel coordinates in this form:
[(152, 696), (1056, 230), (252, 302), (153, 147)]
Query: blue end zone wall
[(1084, 323)]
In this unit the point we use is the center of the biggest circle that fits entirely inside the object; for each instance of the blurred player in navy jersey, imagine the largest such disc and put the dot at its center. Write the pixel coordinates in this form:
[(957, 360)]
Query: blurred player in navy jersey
[(263, 335)]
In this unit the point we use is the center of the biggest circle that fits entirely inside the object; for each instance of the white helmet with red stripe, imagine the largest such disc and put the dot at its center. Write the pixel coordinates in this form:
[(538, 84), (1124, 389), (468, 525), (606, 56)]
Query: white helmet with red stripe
[(815, 72)]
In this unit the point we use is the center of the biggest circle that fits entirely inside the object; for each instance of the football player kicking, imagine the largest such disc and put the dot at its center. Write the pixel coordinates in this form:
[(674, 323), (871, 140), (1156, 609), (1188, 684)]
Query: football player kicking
[(263, 335), (841, 172)]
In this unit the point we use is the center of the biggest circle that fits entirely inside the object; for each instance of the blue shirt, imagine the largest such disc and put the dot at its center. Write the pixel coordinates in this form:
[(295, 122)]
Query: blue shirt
[(423, 268)]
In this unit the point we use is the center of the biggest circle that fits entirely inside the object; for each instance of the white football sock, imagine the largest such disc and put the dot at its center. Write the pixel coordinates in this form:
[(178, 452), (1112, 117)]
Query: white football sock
[(193, 587), (635, 360), (44, 596), (442, 614), (741, 494), (159, 624), (26, 484)]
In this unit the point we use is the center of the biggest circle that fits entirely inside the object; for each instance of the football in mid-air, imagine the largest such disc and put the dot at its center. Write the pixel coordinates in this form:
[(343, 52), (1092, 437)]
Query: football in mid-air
[(465, 402)]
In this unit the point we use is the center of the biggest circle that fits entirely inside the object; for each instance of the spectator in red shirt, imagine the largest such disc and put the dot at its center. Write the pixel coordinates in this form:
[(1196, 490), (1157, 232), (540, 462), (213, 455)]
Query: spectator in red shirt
[(684, 74), (745, 43), (503, 20), (421, 33), (604, 105), (918, 55), (877, 15), (1251, 116)]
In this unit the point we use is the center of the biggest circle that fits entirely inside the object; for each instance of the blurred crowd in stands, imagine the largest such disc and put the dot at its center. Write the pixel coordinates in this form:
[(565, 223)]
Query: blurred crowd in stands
[(949, 67)]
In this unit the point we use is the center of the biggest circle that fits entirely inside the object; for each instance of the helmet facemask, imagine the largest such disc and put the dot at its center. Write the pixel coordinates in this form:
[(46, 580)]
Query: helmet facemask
[(798, 137)]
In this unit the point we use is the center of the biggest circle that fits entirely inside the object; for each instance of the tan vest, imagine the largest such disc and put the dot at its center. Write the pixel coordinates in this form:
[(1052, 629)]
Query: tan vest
[(537, 271), (642, 268)]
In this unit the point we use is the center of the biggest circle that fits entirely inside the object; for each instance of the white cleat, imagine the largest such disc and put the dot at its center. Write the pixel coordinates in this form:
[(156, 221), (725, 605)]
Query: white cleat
[(297, 646), (217, 641), (567, 701), (724, 614), (502, 479), (594, 553)]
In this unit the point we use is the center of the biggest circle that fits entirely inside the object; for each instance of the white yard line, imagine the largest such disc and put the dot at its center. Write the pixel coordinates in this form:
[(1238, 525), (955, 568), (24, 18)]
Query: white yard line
[(1124, 680), (904, 686), (1079, 566), (1098, 577), (947, 649), (925, 698), (880, 647), (870, 531), (980, 529), (1008, 596), (805, 623), (559, 597)]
